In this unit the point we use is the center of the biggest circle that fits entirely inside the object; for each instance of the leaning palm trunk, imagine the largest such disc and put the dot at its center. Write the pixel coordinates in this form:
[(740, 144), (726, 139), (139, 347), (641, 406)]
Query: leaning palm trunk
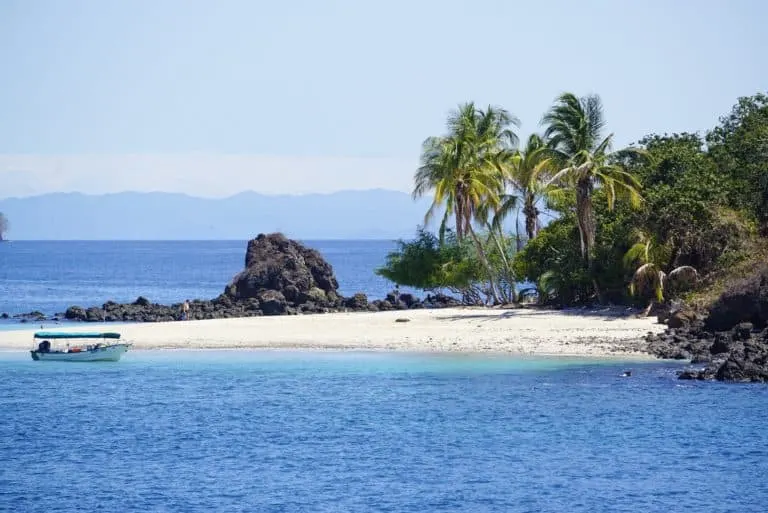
[(585, 216), (507, 267), (484, 260)]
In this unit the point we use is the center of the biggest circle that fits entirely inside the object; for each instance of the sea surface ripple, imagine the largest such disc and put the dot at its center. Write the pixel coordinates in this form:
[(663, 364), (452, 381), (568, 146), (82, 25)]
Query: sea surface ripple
[(280, 431)]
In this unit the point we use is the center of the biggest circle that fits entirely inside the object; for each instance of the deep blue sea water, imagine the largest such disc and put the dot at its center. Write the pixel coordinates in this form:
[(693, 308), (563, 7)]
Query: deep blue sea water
[(50, 276), (272, 431)]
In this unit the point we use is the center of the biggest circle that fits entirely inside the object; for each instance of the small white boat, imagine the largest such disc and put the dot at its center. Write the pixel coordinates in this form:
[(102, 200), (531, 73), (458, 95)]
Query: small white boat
[(64, 346)]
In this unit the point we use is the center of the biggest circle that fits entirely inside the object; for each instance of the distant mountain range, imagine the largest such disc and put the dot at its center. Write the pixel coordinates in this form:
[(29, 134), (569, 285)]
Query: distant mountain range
[(367, 214)]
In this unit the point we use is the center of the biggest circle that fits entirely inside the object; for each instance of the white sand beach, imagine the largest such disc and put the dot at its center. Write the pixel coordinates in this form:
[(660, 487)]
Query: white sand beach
[(575, 332)]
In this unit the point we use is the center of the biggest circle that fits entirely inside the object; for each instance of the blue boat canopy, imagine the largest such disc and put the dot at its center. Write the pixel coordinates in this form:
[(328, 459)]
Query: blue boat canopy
[(63, 334)]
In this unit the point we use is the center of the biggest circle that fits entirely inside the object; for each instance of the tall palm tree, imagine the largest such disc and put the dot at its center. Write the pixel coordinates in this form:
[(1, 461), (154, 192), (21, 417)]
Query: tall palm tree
[(526, 170), (574, 128), (460, 167)]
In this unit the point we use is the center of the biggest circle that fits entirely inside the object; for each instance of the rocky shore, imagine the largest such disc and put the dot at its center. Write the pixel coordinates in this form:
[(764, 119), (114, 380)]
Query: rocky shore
[(281, 277), (727, 343)]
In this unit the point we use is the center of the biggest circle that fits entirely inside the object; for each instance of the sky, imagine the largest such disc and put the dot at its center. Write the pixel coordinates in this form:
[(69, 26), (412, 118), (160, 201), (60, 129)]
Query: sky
[(211, 98)]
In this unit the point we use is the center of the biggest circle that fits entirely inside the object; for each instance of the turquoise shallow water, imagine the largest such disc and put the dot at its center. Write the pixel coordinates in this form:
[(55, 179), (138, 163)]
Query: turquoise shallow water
[(366, 431)]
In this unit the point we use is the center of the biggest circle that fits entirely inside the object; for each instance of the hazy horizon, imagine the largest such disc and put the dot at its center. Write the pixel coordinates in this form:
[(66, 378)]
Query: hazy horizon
[(100, 97), (374, 214), (203, 197)]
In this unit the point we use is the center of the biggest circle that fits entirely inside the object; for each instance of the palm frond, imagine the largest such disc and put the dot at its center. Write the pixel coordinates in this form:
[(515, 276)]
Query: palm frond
[(648, 276), (637, 253)]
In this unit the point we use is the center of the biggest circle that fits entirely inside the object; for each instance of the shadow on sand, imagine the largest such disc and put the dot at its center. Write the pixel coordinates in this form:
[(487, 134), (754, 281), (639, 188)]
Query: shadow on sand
[(605, 313)]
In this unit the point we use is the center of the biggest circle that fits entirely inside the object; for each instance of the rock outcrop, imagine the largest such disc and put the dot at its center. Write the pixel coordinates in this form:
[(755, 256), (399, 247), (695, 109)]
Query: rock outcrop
[(281, 277), (284, 275), (745, 301), (728, 343)]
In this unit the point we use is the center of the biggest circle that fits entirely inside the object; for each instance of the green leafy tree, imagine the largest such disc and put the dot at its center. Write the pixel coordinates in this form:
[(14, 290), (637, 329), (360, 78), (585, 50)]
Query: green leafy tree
[(687, 205), (574, 128), (429, 264), (739, 147), (459, 169)]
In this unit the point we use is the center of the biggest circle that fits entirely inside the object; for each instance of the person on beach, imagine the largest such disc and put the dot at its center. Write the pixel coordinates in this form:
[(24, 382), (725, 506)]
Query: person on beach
[(185, 310)]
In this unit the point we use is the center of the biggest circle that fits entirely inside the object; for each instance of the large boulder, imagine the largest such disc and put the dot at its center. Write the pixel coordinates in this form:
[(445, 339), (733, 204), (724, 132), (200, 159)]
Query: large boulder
[(75, 313), (272, 302), (280, 273), (745, 301)]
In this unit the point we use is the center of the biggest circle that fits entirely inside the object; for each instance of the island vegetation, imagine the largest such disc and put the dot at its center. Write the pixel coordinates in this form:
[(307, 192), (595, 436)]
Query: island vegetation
[(3, 226), (672, 215)]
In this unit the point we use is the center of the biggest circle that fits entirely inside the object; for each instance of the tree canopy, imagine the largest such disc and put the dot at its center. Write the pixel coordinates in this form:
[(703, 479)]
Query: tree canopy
[(694, 205)]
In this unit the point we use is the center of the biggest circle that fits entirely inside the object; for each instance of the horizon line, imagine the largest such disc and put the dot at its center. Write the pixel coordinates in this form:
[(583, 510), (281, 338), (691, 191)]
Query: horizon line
[(212, 198), (309, 239)]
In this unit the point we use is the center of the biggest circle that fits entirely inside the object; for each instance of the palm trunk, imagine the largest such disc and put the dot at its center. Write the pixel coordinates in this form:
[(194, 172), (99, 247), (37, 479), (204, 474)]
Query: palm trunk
[(459, 217), (484, 260), (507, 267), (531, 215), (585, 215)]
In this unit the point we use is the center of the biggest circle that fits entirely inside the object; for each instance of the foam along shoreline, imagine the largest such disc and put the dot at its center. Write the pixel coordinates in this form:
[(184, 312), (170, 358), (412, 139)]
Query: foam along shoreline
[(597, 333)]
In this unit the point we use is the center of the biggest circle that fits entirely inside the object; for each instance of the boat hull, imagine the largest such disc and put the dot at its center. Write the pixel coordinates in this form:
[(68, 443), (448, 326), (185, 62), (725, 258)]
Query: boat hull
[(110, 353)]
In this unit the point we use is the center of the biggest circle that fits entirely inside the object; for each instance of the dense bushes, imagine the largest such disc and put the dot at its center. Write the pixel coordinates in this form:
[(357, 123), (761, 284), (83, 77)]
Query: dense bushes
[(454, 266)]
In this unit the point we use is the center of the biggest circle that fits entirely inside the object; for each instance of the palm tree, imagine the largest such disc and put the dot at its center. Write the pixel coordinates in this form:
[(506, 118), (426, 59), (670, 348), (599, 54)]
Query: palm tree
[(573, 132), (460, 168), (525, 170), (649, 275)]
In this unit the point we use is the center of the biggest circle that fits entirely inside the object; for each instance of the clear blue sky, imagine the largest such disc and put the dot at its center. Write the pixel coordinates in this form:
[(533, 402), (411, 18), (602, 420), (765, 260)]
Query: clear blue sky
[(309, 84)]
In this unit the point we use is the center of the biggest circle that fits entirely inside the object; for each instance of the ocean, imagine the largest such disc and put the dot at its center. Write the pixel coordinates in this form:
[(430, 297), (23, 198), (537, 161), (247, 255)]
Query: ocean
[(49, 276), (346, 431), (295, 431)]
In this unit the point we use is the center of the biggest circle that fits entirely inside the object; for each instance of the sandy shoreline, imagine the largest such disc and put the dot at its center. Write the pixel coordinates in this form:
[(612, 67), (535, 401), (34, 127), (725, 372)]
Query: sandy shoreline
[(595, 333)]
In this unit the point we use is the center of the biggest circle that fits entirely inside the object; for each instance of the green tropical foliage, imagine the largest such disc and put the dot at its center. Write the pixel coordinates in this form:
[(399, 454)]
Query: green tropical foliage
[(647, 256), (739, 148), (526, 171), (459, 168), (638, 225), (574, 134), (451, 265)]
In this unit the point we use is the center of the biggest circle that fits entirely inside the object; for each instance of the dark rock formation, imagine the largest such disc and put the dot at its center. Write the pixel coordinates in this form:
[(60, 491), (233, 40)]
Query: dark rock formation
[(31, 316), (274, 262), (281, 277), (357, 302), (739, 354), (272, 302), (142, 301), (746, 301), (75, 313), (727, 340)]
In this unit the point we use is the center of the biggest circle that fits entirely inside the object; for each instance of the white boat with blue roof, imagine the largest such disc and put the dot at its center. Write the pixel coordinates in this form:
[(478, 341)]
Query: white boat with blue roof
[(78, 346)]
